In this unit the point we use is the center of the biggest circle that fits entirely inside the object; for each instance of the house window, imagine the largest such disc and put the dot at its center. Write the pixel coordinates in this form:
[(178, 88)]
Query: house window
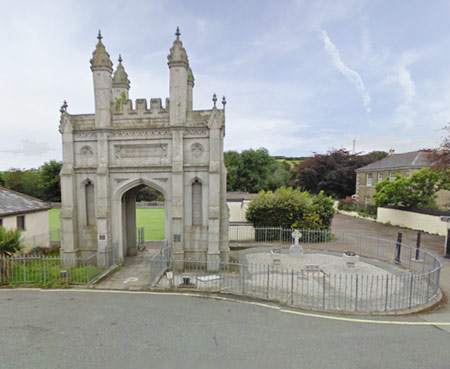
[(369, 179), (367, 200), (21, 222), (392, 176), (1, 222), (380, 177)]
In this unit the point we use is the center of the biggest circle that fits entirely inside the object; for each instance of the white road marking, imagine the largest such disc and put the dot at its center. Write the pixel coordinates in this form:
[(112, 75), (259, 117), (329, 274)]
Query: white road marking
[(131, 279)]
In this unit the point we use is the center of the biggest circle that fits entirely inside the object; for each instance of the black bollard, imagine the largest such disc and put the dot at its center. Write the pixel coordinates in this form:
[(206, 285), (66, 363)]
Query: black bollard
[(418, 245), (398, 246), (447, 246)]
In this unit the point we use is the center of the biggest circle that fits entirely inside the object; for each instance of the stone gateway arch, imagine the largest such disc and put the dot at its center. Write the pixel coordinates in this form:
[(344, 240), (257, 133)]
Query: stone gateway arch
[(110, 155)]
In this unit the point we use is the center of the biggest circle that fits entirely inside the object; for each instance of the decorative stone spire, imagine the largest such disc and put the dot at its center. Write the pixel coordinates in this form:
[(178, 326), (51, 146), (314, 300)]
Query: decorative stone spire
[(214, 99), (224, 102), (63, 107), (177, 52), (100, 58), (120, 77)]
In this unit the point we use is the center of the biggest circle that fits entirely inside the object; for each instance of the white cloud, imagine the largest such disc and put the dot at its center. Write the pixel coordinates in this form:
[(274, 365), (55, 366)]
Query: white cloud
[(405, 113), (31, 148), (350, 74)]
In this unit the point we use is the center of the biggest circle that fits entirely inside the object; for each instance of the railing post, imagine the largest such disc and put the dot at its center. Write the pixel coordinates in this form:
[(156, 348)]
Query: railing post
[(387, 288), (292, 287), (243, 278), (356, 294), (43, 268), (268, 279), (323, 295), (411, 290), (398, 246), (418, 245)]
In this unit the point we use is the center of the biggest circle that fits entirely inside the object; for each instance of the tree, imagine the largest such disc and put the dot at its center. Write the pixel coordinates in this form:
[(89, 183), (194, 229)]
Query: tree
[(291, 208), (333, 172), (50, 181), (253, 171), (27, 182), (440, 157), (418, 191)]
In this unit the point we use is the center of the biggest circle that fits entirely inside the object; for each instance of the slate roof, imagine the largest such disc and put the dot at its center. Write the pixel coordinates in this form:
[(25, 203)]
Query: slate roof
[(414, 159), (240, 196), (12, 202)]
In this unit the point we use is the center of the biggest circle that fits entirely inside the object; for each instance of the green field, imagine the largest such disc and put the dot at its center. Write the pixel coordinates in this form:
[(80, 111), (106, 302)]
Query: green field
[(151, 219)]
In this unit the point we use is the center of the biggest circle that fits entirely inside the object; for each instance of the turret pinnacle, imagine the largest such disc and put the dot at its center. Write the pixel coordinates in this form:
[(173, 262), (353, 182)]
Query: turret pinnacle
[(120, 77), (190, 77), (100, 58), (177, 52)]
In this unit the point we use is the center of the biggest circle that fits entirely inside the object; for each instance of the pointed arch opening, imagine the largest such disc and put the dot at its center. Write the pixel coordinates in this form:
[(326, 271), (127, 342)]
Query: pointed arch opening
[(143, 218)]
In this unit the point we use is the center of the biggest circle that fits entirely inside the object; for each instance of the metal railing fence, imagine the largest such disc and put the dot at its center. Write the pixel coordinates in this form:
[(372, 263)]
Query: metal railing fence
[(42, 269), (407, 283), (159, 263)]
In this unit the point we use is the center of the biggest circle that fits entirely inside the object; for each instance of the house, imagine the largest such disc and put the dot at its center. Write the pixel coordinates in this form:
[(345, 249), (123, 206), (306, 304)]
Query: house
[(405, 164), (238, 203), (26, 213)]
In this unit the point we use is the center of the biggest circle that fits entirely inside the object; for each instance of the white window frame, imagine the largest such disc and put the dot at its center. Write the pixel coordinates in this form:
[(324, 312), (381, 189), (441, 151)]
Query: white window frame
[(369, 179), (392, 175), (380, 177), (367, 200)]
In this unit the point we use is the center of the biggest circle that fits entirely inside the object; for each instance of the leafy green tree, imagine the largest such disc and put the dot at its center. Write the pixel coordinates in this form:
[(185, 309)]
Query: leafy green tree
[(50, 181), (333, 172), (253, 171), (291, 208), (418, 191), (27, 182)]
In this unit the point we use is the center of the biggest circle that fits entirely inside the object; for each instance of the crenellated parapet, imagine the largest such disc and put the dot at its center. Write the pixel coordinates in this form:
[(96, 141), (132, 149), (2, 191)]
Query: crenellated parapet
[(141, 113)]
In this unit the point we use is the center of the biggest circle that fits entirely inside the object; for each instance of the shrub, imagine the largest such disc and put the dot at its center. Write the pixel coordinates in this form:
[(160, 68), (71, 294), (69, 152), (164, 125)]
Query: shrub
[(289, 208), (10, 241)]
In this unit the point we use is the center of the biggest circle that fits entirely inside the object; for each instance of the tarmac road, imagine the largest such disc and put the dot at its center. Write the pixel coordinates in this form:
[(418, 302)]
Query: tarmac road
[(107, 329)]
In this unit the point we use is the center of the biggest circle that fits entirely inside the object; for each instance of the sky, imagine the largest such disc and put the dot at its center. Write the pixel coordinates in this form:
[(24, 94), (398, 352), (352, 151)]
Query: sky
[(299, 76)]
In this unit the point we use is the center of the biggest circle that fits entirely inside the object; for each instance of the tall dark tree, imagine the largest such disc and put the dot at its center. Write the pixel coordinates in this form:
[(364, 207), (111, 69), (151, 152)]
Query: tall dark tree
[(333, 172), (440, 157), (51, 184)]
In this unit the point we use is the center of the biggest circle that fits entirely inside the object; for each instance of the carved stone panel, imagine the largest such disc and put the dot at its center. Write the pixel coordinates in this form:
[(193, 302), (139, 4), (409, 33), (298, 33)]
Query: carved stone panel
[(196, 151), (142, 153), (85, 154), (132, 151)]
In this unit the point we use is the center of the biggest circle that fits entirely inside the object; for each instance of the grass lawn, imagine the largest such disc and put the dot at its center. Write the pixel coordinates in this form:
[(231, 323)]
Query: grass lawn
[(151, 219)]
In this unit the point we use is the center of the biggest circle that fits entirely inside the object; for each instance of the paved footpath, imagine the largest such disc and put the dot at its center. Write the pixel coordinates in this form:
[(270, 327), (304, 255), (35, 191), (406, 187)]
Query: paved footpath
[(433, 243)]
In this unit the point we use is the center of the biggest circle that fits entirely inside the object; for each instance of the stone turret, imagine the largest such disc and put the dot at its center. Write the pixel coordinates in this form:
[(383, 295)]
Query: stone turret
[(179, 70), (101, 67), (120, 82)]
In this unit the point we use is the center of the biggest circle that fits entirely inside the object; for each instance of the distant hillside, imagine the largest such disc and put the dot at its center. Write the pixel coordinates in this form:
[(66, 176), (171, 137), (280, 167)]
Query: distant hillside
[(291, 160)]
